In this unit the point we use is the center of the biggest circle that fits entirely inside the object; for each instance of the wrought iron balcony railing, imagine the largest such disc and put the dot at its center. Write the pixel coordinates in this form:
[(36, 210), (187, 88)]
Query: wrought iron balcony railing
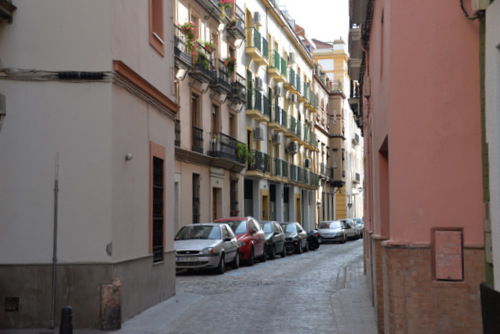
[(197, 138), (225, 147)]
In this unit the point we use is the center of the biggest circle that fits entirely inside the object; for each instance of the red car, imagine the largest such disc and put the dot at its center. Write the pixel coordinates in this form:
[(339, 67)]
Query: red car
[(251, 238)]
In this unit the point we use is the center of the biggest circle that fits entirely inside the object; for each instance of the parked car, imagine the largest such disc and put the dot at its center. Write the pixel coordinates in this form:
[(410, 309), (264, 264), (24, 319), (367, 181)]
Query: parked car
[(201, 246), (332, 230), (250, 236), (295, 238), (360, 224), (275, 238), (351, 230)]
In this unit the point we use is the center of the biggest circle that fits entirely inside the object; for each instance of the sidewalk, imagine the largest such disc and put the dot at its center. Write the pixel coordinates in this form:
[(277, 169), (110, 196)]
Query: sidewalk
[(350, 299)]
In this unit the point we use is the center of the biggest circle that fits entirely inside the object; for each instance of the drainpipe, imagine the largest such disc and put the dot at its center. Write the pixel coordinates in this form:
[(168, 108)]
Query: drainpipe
[(54, 251)]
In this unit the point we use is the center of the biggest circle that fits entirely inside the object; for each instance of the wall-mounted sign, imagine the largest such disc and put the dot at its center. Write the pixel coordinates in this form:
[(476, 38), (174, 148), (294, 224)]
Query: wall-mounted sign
[(447, 254)]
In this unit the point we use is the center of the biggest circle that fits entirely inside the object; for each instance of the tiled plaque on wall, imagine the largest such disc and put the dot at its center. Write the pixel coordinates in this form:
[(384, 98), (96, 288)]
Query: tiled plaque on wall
[(447, 254)]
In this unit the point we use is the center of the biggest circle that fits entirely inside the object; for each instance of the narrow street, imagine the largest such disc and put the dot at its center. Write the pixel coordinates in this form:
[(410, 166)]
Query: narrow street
[(296, 294)]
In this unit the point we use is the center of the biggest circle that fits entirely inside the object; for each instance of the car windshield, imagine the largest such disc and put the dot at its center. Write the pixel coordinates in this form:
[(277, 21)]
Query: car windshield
[(268, 228), (330, 225), (290, 228), (199, 232), (238, 226)]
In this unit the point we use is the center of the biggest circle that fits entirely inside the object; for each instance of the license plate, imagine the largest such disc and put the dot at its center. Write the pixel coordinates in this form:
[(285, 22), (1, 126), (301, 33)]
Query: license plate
[(187, 259)]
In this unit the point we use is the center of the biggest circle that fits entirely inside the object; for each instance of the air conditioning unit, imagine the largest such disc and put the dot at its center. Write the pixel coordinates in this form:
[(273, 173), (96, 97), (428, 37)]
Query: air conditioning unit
[(276, 139), (279, 91), (258, 134), (258, 84), (292, 147), (291, 57), (256, 19), (479, 5), (307, 163)]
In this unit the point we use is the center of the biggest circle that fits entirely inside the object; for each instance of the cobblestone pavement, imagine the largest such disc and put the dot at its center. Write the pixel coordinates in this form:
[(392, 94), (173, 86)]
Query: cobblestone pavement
[(322, 291)]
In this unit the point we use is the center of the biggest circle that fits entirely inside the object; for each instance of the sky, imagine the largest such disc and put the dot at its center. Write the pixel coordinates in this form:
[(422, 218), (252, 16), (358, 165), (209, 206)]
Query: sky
[(325, 20)]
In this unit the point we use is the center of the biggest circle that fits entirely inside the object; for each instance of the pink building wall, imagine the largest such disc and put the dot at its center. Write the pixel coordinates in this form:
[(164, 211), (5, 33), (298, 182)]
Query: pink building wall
[(423, 64)]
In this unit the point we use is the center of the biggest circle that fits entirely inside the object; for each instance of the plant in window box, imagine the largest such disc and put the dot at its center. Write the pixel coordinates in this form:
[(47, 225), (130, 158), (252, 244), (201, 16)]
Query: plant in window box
[(225, 5), (230, 63), (189, 30)]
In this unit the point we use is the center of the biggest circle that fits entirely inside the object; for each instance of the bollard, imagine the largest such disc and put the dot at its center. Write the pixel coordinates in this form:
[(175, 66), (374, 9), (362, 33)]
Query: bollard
[(66, 320)]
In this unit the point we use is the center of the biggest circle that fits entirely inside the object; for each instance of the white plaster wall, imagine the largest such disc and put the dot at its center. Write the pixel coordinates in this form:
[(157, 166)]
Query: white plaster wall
[(57, 35), (130, 42), (492, 85), (43, 119)]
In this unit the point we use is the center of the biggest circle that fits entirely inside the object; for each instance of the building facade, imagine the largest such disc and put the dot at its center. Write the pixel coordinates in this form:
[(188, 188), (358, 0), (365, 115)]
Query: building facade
[(422, 130), (281, 178), (210, 88), (84, 194)]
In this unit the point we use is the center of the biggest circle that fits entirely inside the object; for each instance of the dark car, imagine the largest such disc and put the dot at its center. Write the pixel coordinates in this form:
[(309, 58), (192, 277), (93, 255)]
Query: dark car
[(250, 236), (275, 238), (295, 238)]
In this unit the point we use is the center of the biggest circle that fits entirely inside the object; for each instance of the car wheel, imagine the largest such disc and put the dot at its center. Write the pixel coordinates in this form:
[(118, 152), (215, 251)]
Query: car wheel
[(283, 253), (222, 265), (272, 254), (236, 262), (251, 258), (299, 249), (263, 258)]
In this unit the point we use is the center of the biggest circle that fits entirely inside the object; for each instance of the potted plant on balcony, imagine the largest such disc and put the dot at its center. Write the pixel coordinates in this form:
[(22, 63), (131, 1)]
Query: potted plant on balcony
[(225, 5), (210, 46), (202, 60), (189, 30), (242, 151), (230, 63)]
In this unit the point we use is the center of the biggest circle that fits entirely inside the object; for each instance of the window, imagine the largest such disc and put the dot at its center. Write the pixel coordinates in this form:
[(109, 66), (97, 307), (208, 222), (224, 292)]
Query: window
[(156, 26), (157, 201), (335, 157), (196, 198), (215, 119), (197, 131)]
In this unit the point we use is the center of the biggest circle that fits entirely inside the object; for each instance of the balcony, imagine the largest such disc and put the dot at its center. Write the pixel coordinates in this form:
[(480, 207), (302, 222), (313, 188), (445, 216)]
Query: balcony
[(259, 164), (211, 6), (278, 119), (274, 70), (202, 66), (257, 47), (238, 91), (221, 83), (182, 58), (255, 106), (236, 25), (291, 84), (277, 170), (224, 150), (292, 131)]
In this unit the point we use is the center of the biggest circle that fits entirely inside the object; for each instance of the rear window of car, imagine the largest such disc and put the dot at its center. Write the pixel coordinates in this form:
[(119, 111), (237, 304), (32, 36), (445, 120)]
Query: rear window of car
[(199, 232), (238, 226), (330, 225), (291, 228)]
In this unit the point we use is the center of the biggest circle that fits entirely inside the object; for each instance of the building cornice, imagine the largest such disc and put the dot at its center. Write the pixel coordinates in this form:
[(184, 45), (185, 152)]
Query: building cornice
[(127, 78)]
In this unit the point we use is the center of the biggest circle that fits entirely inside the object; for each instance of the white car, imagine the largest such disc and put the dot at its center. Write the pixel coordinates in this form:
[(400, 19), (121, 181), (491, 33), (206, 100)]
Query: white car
[(202, 246)]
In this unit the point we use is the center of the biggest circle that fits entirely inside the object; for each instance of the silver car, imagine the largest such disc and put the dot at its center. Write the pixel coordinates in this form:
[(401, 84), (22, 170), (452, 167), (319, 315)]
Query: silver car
[(332, 230), (202, 246)]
